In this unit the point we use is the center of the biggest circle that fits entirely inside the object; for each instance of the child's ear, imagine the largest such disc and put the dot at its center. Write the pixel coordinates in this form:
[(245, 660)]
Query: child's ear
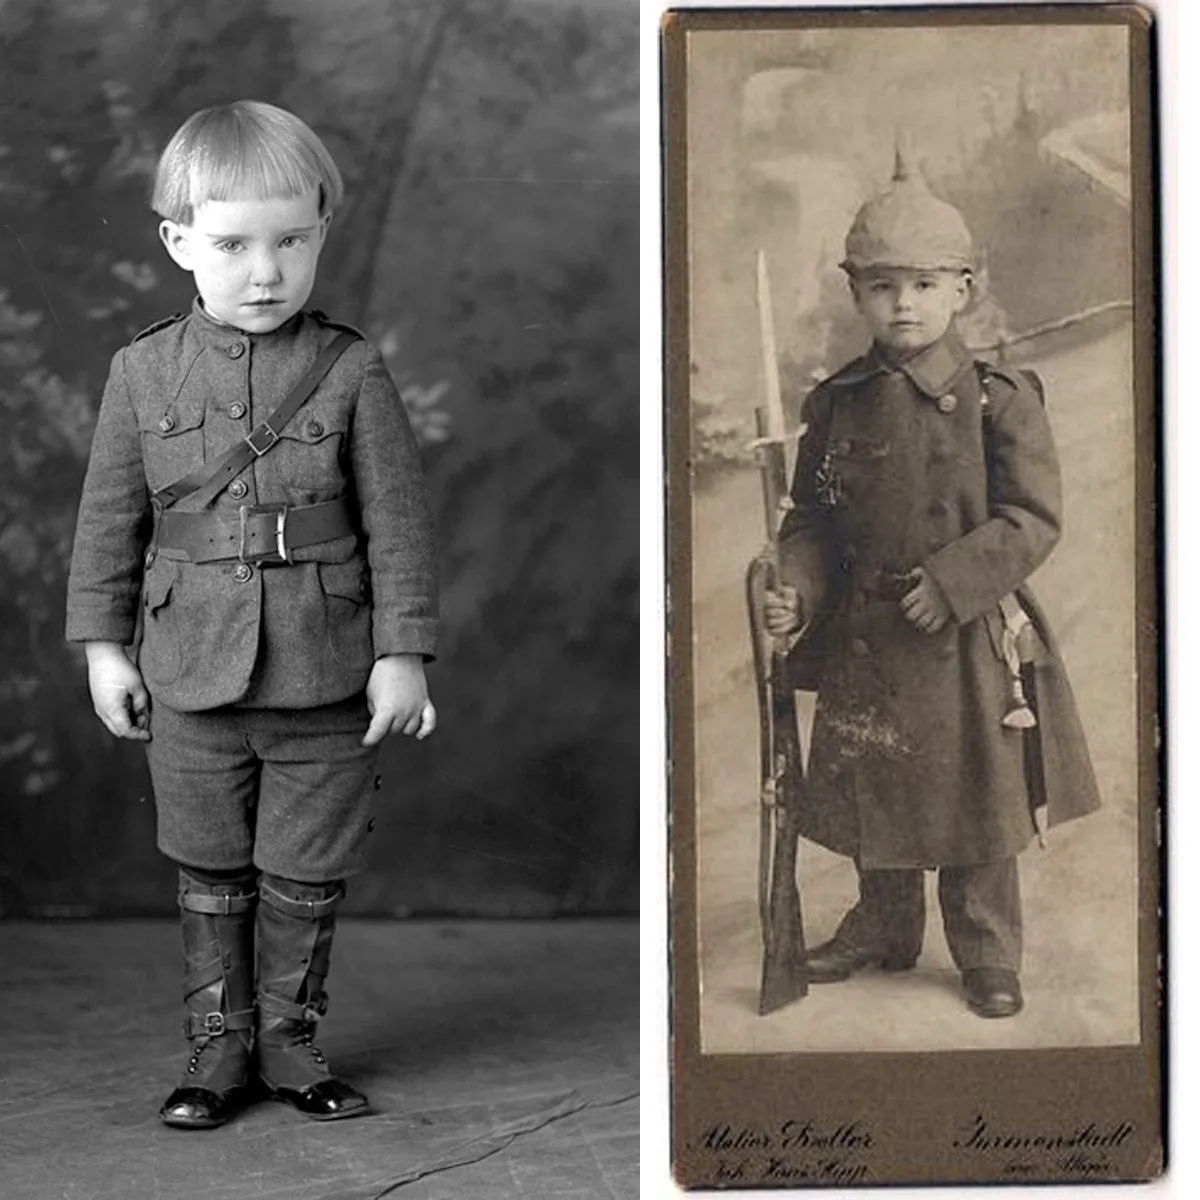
[(178, 243), (326, 219), (964, 291)]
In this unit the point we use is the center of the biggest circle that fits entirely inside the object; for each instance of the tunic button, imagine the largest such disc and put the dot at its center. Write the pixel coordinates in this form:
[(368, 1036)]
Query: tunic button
[(242, 572), (237, 410), (166, 424), (238, 488), (947, 403), (315, 429), (859, 648), (235, 349)]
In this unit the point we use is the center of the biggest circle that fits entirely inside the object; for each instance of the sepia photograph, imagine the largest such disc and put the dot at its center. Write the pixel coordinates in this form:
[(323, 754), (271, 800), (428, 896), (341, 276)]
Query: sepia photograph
[(319, 819), (912, 568)]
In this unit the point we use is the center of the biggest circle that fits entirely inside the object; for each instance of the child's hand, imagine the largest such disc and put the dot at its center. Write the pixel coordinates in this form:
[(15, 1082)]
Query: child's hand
[(925, 604), (782, 610), (118, 694), (397, 698)]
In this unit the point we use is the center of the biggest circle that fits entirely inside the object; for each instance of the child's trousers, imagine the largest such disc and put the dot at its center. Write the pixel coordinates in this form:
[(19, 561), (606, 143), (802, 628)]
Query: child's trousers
[(285, 790), (981, 914)]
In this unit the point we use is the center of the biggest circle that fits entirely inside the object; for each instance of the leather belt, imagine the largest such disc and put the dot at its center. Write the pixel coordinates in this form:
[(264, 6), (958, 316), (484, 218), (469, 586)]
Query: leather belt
[(264, 534)]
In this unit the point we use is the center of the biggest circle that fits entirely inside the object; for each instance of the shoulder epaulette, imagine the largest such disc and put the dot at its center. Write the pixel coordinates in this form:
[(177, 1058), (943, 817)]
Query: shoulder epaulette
[(159, 325), (318, 315), (1024, 377)]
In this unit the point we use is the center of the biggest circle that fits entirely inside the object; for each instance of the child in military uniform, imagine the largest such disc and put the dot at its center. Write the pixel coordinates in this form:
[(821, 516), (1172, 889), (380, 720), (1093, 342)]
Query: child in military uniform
[(255, 489), (926, 491)]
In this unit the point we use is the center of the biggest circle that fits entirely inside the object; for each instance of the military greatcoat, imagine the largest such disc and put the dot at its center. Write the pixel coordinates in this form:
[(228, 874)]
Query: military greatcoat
[(947, 464), (299, 636)]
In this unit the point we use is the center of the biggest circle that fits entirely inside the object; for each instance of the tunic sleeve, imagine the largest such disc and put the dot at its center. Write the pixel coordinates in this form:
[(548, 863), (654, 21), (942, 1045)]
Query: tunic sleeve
[(114, 524), (395, 518), (1024, 509)]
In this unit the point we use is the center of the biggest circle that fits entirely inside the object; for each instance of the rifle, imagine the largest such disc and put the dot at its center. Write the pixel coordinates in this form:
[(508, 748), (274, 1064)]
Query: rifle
[(781, 787)]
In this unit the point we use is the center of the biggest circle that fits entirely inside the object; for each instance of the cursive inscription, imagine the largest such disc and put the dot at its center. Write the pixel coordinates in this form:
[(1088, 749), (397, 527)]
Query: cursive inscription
[(1081, 1150), (795, 1150)]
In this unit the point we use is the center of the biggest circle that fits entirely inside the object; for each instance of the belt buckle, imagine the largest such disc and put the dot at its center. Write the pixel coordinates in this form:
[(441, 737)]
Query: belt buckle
[(266, 431), (214, 1024), (278, 556)]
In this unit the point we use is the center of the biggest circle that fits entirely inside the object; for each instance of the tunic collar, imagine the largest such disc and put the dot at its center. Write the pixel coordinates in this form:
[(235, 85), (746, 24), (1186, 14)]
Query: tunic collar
[(218, 333), (933, 371)]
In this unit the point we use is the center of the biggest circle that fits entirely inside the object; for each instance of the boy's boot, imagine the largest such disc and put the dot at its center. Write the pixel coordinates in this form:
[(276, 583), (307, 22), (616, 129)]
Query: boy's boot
[(884, 929), (981, 913), (218, 948), (295, 936)]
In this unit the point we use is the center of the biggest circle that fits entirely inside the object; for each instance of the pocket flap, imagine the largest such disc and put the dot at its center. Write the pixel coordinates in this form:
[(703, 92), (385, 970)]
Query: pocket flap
[(349, 580), (159, 581), (314, 423), (860, 447), (176, 419)]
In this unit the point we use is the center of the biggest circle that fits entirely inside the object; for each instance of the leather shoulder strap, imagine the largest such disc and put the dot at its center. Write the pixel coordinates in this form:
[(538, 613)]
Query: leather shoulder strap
[(208, 481)]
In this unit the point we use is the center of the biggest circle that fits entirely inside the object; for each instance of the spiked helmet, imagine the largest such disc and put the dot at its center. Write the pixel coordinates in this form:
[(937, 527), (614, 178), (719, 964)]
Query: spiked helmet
[(906, 225)]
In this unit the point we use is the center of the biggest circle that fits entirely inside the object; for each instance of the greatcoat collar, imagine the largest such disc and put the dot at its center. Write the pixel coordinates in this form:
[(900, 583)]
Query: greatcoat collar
[(934, 370)]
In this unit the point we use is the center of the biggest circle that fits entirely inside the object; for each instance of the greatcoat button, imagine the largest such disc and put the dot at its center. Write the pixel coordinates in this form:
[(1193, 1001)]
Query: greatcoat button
[(235, 349), (315, 429), (166, 424), (238, 488), (242, 572), (237, 410), (859, 648), (947, 403)]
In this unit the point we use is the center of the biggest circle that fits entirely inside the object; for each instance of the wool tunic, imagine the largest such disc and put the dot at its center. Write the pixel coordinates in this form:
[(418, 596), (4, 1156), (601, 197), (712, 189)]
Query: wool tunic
[(299, 636)]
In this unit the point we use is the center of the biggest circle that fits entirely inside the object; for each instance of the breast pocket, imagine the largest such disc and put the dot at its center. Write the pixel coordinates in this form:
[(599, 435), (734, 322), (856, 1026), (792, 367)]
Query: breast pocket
[(849, 467), (310, 456), (172, 441)]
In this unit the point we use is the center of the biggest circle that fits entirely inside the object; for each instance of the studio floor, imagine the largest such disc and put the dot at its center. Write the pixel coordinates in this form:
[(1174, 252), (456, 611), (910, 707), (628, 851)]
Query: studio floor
[(500, 1058)]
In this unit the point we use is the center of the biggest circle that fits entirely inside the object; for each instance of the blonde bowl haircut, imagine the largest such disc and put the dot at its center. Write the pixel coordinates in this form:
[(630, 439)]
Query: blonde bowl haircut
[(238, 151)]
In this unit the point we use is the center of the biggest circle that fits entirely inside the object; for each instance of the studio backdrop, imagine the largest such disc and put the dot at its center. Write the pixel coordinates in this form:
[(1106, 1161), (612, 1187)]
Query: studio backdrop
[(488, 246)]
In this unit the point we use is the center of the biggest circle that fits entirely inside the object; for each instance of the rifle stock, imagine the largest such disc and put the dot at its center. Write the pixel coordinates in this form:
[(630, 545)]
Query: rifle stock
[(784, 973)]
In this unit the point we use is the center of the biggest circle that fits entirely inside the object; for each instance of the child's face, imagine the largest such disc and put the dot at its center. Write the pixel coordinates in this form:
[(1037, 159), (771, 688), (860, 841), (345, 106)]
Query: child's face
[(254, 261), (907, 309)]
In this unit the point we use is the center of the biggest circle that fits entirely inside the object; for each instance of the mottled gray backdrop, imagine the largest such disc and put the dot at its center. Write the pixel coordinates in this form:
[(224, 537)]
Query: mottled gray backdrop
[(489, 246)]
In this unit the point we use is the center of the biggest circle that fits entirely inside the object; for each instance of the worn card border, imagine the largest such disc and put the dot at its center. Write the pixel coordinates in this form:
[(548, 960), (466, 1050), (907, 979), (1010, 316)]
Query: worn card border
[(1052, 1090)]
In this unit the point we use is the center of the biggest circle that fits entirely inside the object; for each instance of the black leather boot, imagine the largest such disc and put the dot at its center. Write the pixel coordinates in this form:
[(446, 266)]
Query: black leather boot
[(839, 958), (295, 936), (993, 992), (218, 947)]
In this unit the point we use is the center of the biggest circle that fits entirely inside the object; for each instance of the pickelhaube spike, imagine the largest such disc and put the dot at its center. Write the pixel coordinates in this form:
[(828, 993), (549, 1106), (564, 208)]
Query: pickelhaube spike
[(906, 225), (904, 169)]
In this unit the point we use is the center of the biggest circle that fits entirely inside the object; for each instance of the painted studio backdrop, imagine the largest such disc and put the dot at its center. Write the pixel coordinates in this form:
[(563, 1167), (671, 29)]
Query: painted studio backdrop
[(488, 246)]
